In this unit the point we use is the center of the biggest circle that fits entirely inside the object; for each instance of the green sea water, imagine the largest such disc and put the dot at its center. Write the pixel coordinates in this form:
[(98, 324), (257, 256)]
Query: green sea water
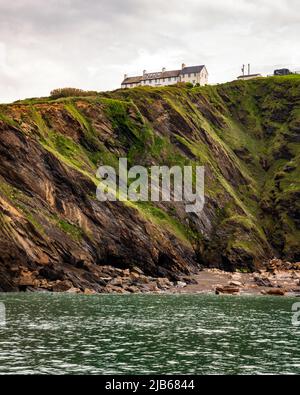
[(148, 334)]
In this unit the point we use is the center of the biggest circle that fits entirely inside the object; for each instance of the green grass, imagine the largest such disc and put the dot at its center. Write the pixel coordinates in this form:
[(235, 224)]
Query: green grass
[(73, 231), (166, 221), (9, 121)]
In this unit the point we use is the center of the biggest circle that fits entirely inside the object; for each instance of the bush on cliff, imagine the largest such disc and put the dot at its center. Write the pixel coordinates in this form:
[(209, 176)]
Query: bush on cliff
[(70, 92)]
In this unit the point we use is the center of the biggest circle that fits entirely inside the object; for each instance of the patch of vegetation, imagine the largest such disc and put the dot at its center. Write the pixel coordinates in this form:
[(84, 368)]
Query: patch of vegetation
[(92, 143), (166, 221), (73, 231), (71, 92), (9, 121)]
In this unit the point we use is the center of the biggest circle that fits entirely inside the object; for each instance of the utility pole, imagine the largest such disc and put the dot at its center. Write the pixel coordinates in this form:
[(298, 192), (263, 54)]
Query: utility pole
[(249, 69), (243, 69)]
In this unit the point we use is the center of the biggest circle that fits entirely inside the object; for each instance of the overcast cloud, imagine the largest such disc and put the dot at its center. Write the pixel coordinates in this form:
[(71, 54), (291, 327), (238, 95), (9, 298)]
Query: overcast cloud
[(90, 44)]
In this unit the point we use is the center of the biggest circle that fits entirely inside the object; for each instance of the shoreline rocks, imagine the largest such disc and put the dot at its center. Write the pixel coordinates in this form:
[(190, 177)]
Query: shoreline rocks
[(227, 290), (275, 292), (93, 279)]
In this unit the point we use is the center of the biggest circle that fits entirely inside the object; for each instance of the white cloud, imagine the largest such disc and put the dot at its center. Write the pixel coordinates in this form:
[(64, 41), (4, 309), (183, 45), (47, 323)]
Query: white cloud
[(92, 43)]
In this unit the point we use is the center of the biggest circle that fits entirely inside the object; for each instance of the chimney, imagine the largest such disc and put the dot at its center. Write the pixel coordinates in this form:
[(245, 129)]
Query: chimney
[(163, 69), (144, 72), (125, 76), (183, 66)]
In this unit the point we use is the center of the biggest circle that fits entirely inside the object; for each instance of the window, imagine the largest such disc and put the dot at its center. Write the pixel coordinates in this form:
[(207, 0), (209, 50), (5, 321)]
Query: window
[(170, 79), (195, 74), (189, 75)]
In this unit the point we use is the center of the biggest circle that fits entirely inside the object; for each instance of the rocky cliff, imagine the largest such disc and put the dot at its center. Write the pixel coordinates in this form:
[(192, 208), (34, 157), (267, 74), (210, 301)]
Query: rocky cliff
[(52, 228)]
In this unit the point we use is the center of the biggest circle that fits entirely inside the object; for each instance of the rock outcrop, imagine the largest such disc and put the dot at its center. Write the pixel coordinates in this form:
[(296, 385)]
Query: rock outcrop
[(55, 235)]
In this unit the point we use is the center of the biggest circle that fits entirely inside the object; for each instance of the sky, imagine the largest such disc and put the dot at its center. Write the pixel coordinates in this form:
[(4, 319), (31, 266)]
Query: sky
[(91, 44)]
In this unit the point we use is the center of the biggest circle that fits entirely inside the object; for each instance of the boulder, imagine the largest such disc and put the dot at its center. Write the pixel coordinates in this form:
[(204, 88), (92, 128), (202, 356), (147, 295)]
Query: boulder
[(88, 291), (115, 290), (126, 273), (26, 282), (181, 284), (117, 282), (151, 287), (279, 264), (144, 279), (228, 290), (27, 279), (236, 277), (275, 263), (163, 283), (190, 281), (135, 276), (276, 292), (62, 286), (137, 270), (263, 281), (236, 284), (116, 270), (73, 291), (133, 289), (295, 275), (296, 266)]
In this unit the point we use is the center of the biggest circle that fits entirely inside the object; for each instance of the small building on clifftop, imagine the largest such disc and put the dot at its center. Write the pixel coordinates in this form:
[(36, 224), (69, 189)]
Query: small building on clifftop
[(192, 74)]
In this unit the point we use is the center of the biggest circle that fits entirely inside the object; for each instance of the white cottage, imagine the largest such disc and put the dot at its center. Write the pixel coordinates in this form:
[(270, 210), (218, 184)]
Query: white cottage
[(192, 74)]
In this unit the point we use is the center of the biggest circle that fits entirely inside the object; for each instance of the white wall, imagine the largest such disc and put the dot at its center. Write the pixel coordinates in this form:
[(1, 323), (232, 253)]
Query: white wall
[(160, 82), (200, 78), (196, 78)]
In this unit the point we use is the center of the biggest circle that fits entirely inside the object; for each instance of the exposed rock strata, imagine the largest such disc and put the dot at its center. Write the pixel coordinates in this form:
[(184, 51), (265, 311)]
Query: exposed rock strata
[(55, 235)]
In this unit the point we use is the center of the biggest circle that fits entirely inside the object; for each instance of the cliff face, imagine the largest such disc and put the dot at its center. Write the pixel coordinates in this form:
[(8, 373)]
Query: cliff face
[(246, 134)]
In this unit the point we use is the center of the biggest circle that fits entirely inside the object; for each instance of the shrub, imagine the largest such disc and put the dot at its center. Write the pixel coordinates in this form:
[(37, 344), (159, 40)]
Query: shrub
[(189, 85), (70, 92)]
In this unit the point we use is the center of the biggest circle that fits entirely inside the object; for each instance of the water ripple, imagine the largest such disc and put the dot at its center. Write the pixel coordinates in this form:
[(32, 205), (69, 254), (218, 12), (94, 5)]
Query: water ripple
[(148, 334)]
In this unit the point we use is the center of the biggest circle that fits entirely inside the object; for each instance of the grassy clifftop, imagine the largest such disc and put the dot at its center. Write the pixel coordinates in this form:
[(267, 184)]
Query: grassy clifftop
[(246, 134)]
